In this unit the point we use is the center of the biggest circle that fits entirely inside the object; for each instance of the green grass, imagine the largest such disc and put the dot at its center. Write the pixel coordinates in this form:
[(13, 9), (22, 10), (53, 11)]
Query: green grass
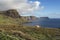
[(7, 37), (32, 33), (5, 20), (12, 29)]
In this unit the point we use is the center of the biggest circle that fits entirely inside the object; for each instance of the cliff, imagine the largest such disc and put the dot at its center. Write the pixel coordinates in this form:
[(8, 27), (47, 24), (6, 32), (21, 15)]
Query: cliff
[(10, 13)]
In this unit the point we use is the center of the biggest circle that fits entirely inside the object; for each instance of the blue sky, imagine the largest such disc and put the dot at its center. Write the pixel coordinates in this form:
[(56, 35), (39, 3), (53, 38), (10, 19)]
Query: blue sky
[(51, 8), (39, 8)]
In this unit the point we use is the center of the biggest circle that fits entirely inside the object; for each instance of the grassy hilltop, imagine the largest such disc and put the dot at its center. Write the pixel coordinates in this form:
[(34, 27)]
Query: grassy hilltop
[(11, 28)]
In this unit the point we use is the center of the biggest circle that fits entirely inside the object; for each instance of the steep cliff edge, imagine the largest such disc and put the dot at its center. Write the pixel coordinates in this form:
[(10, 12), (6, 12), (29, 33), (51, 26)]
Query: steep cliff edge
[(11, 13)]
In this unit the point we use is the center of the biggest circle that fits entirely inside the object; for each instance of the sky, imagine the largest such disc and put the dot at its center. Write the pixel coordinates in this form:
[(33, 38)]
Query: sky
[(39, 8), (51, 8)]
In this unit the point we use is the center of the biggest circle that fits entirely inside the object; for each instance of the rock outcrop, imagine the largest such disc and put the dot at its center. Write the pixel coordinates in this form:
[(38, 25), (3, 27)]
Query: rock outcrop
[(11, 13)]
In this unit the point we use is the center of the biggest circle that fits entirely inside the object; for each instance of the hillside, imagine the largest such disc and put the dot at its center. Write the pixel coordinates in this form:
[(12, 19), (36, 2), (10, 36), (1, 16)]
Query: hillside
[(11, 17), (11, 28), (28, 33)]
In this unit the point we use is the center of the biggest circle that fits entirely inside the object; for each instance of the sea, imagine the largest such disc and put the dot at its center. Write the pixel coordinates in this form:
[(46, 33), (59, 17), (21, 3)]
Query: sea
[(47, 23)]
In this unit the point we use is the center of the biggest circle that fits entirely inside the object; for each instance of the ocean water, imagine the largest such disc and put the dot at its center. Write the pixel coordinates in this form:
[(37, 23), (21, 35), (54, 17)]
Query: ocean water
[(50, 23)]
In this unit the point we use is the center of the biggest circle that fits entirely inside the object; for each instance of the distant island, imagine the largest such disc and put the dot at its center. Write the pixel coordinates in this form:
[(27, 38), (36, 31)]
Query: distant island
[(44, 18)]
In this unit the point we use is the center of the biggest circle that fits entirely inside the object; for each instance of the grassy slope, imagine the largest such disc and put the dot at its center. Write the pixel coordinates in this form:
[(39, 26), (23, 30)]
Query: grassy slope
[(12, 29)]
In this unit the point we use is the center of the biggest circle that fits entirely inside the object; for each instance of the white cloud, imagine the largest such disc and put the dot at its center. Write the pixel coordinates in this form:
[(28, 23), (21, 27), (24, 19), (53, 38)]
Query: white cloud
[(37, 3), (22, 6)]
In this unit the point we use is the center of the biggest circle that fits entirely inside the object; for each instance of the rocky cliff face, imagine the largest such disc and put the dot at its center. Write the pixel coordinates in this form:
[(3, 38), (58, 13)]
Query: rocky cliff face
[(11, 13), (14, 14), (29, 17)]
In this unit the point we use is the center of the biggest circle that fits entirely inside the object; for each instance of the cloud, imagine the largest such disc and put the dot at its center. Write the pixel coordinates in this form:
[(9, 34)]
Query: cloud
[(23, 6)]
